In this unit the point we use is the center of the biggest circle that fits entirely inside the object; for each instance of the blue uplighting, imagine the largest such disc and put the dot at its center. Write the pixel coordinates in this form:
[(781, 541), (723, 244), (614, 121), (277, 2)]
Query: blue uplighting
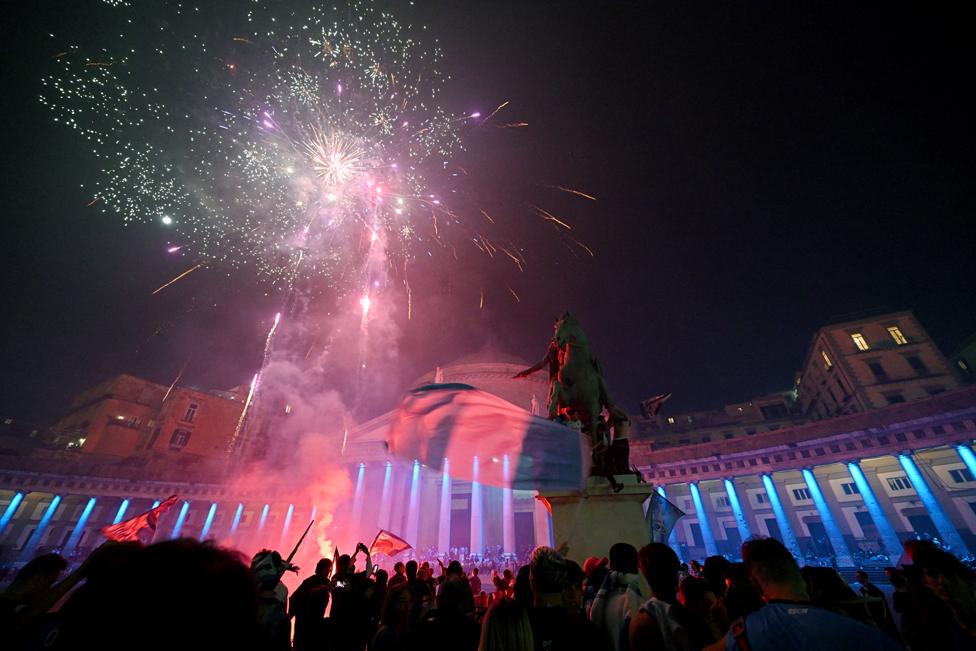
[(79, 526), (8, 512), (947, 531), (237, 519), (444, 522), (287, 523), (208, 521), (264, 516), (386, 502), (830, 525), (889, 538), (789, 538), (35, 537), (180, 520), (413, 506), (121, 512), (968, 458), (357, 500), (477, 531), (703, 523), (740, 517)]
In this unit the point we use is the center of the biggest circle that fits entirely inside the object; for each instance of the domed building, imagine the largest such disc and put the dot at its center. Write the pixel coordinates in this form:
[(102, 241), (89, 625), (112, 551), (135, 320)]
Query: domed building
[(432, 510)]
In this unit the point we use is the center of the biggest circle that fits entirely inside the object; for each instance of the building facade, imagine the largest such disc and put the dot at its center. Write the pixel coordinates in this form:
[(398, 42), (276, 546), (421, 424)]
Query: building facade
[(127, 416), (850, 488), (870, 362)]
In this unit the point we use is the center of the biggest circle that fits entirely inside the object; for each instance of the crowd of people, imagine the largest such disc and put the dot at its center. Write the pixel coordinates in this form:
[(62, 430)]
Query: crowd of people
[(189, 594)]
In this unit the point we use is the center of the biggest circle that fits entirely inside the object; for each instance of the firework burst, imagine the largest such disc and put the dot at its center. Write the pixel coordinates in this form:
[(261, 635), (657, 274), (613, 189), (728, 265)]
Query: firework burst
[(292, 142)]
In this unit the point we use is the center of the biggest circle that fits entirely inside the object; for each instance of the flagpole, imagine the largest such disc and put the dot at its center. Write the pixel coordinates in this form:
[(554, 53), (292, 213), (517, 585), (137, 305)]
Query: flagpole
[(299, 543)]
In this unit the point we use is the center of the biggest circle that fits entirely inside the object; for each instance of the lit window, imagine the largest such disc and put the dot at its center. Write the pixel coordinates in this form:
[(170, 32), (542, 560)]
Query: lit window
[(827, 363), (287, 409), (963, 366), (860, 341), (899, 483), (961, 475), (191, 412), (896, 334), (670, 420)]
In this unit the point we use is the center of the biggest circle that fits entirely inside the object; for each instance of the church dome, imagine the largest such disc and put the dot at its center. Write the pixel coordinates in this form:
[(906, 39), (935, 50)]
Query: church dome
[(492, 372)]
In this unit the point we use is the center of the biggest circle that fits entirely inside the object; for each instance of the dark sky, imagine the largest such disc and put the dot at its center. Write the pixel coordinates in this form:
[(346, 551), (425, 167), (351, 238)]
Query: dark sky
[(760, 171)]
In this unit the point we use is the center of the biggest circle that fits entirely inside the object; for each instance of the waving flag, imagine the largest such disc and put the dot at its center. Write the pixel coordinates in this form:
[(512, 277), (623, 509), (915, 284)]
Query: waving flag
[(661, 517), (129, 529), (487, 439), (651, 406), (388, 543)]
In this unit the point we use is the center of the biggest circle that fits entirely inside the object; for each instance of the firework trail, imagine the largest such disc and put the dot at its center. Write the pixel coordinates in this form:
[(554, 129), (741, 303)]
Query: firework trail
[(235, 439), (173, 383), (182, 275)]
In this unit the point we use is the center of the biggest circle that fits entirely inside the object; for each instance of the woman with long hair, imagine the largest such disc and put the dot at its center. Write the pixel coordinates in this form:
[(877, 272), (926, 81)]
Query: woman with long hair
[(396, 627), (506, 628)]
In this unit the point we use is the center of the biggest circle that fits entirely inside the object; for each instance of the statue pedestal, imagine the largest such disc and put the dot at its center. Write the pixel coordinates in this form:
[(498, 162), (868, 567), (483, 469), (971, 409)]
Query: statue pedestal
[(590, 524)]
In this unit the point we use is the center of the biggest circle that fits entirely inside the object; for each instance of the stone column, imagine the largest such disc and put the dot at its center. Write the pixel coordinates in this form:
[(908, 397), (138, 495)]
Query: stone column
[(785, 528), (477, 526), (889, 538), (706, 528), (508, 515), (836, 538), (444, 522), (745, 532), (947, 530)]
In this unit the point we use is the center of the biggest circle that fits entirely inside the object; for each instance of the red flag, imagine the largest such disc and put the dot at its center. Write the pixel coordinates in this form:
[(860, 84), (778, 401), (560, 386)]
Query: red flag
[(129, 529), (388, 543)]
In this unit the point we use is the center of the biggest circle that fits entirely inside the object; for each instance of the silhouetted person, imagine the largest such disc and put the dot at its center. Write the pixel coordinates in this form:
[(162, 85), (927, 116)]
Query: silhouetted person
[(396, 620), (399, 575), (475, 582), (618, 597), (553, 627), (308, 604), (741, 596), (450, 626), (879, 609), (179, 594), (663, 623)]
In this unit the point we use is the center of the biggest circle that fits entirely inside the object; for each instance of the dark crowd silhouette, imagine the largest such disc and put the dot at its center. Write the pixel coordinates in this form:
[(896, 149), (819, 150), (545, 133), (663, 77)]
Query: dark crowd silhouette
[(185, 594)]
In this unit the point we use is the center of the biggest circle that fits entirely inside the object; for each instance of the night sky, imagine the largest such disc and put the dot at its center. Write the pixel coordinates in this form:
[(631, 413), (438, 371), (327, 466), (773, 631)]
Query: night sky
[(760, 172)]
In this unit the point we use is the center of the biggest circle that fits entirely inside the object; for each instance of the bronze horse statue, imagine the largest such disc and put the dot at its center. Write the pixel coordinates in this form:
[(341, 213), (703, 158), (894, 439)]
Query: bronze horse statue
[(577, 390)]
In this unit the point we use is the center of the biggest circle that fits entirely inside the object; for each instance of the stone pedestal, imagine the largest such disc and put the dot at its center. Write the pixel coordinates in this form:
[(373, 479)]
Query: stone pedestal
[(590, 523)]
